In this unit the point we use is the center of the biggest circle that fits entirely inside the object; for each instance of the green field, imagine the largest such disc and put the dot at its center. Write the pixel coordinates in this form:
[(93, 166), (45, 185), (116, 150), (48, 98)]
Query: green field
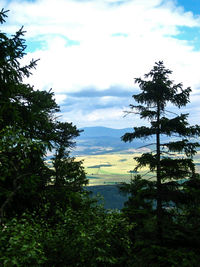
[(115, 168)]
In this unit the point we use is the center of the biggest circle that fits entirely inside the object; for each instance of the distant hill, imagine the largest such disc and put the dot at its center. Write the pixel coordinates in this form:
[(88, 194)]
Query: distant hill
[(100, 131), (102, 140)]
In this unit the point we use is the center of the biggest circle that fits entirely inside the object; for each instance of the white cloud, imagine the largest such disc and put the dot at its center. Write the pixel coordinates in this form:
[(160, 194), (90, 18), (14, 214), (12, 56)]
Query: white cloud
[(111, 113), (110, 117), (60, 98), (116, 44)]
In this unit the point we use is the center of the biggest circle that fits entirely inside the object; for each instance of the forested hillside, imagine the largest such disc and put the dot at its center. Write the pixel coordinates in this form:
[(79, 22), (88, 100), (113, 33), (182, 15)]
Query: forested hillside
[(47, 218)]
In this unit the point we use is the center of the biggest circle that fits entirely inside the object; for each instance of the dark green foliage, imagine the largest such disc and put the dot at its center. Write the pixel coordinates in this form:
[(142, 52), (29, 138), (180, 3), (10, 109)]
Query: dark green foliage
[(154, 255), (20, 243), (92, 238), (24, 174), (68, 172), (88, 237), (20, 105), (28, 130), (68, 175), (161, 206)]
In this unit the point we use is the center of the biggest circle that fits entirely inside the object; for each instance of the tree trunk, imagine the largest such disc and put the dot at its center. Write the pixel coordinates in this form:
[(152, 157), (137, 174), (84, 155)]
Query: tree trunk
[(159, 182)]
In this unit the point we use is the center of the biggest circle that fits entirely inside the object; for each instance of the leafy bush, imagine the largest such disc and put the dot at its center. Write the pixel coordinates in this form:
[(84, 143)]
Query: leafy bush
[(19, 243), (88, 238)]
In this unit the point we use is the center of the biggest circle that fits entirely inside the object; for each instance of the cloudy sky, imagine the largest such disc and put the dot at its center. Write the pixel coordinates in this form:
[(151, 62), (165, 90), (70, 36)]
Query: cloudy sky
[(91, 50)]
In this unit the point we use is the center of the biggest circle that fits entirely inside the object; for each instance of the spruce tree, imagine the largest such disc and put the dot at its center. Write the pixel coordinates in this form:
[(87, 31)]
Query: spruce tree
[(171, 162), (28, 130)]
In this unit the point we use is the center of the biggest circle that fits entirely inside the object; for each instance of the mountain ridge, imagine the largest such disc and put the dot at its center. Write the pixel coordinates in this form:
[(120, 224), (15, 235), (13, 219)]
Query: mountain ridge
[(99, 140), (97, 131)]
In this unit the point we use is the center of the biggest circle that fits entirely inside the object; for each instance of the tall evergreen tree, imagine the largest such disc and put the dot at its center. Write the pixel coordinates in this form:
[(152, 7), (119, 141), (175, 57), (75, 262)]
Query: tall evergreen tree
[(172, 162), (28, 129)]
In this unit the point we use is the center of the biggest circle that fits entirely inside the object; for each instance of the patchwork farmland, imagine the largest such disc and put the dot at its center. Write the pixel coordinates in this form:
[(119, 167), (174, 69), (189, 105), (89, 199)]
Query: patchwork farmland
[(110, 169)]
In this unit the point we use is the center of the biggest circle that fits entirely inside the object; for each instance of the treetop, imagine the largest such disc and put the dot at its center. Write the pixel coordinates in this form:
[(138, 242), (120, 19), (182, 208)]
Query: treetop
[(158, 89)]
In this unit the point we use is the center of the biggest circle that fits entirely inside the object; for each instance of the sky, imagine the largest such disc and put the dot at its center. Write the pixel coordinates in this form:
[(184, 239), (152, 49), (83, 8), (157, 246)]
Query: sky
[(90, 51)]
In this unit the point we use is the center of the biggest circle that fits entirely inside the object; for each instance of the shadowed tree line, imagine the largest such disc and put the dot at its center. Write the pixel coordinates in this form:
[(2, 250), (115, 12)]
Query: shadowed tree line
[(46, 216)]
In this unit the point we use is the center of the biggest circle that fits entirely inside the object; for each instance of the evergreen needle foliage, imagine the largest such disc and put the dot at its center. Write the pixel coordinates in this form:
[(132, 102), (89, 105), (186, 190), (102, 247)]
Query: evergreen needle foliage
[(160, 204), (28, 130)]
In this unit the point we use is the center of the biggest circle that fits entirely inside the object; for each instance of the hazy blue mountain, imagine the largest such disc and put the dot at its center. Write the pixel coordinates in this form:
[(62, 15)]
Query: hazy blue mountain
[(102, 140), (104, 131)]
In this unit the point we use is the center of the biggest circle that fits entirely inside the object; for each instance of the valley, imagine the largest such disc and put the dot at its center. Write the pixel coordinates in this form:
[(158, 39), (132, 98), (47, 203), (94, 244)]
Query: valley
[(110, 169), (109, 161)]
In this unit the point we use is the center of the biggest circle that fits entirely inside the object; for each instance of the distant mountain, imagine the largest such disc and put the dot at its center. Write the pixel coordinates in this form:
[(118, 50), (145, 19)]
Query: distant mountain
[(102, 140), (104, 131)]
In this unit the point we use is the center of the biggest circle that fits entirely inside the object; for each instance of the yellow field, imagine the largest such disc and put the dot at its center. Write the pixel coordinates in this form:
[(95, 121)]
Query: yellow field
[(115, 168), (110, 168)]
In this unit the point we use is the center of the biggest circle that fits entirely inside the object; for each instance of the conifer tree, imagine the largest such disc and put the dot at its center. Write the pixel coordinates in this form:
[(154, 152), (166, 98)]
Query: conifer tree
[(28, 130), (171, 162)]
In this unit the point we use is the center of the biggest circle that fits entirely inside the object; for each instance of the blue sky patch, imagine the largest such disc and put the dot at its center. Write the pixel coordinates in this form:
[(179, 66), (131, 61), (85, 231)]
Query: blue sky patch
[(33, 45), (192, 35), (190, 5)]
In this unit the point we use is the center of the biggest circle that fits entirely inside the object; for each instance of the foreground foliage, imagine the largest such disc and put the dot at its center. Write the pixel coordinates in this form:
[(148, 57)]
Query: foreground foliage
[(88, 237)]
